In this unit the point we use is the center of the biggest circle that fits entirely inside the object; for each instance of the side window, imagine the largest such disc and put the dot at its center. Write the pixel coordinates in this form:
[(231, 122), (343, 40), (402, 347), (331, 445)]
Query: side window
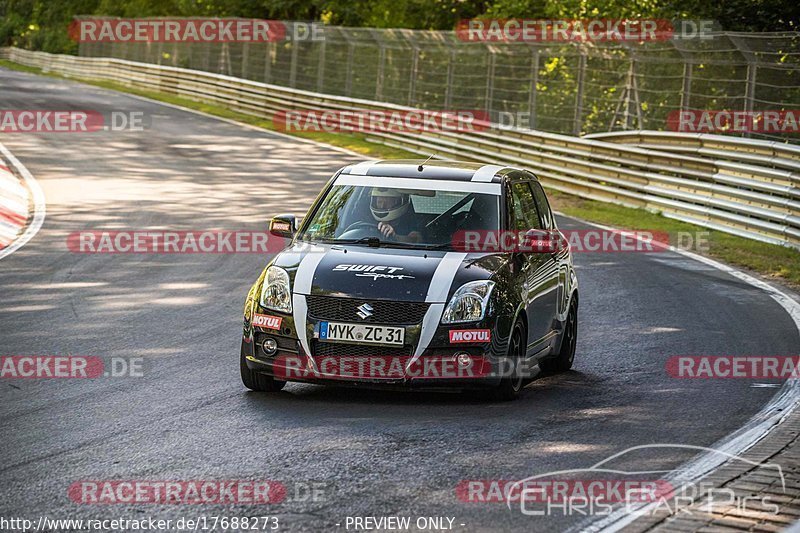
[(523, 209), (544, 207)]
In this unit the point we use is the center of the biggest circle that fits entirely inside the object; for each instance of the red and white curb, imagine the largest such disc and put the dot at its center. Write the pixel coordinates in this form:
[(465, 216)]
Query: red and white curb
[(22, 204)]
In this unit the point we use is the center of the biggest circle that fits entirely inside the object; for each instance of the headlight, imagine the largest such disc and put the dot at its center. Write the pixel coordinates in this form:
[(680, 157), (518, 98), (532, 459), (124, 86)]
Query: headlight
[(275, 291), (469, 302)]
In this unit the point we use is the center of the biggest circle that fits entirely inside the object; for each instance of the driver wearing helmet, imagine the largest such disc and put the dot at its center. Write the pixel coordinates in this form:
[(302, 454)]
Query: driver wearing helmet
[(395, 214)]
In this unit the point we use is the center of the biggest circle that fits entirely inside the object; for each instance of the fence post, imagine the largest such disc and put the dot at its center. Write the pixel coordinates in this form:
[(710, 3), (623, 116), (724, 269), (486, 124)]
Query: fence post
[(348, 83), (576, 128), (245, 58), (448, 90), (293, 65), (686, 91), (752, 70), (267, 63), (489, 97), (206, 57), (321, 67), (412, 85), (379, 76), (534, 84), (750, 89)]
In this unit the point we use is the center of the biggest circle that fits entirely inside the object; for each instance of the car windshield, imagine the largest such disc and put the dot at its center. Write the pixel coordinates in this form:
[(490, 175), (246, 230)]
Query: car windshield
[(407, 218)]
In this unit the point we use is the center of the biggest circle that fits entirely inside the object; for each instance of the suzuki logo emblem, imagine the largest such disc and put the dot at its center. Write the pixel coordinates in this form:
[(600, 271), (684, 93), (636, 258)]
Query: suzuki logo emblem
[(364, 311)]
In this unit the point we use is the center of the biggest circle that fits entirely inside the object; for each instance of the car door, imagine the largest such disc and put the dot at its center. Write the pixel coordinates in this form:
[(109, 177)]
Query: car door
[(540, 270), (549, 223)]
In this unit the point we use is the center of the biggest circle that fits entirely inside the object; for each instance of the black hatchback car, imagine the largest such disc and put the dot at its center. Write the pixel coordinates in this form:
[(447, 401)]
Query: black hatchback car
[(416, 275)]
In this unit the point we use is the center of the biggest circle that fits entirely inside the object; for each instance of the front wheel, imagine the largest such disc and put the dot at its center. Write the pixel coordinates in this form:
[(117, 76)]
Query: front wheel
[(566, 356), (511, 385), (256, 381)]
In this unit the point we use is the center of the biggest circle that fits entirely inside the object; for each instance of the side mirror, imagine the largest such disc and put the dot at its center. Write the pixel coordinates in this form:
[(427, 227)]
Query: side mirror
[(283, 226), (541, 241)]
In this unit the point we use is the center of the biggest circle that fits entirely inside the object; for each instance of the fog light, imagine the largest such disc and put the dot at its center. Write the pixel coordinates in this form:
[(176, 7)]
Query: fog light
[(463, 359), (269, 345)]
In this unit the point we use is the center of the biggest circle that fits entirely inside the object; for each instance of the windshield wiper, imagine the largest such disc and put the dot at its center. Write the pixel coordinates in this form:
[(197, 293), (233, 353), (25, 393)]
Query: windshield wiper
[(372, 242)]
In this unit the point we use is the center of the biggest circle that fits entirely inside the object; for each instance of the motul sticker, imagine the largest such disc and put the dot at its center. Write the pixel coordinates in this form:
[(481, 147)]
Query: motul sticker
[(470, 335), (267, 321)]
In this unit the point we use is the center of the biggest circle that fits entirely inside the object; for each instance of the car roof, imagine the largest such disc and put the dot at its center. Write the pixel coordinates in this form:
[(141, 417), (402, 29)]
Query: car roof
[(433, 169)]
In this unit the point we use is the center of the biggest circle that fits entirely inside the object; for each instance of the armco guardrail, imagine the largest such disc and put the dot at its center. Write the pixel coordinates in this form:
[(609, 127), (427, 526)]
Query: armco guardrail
[(755, 198), (724, 149)]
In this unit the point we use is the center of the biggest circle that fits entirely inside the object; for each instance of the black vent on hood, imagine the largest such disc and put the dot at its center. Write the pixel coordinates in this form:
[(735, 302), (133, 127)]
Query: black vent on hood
[(383, 312)]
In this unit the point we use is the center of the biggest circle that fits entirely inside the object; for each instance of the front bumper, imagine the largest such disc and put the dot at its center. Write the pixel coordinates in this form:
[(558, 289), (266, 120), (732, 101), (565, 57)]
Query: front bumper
[(436, 368)]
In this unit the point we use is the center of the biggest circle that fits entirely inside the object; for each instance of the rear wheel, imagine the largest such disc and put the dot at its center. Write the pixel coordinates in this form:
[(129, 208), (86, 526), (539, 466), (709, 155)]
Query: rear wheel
[(511, 385), (566, 356), (256, 381)]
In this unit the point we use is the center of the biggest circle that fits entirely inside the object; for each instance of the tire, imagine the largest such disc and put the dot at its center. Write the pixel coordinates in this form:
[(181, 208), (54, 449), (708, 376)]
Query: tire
[(566, 355), (510, 386), (254, 380)]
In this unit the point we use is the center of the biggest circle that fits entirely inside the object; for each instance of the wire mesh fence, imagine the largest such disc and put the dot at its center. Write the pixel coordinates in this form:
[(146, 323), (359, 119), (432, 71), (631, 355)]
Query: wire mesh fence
[(572, 88)]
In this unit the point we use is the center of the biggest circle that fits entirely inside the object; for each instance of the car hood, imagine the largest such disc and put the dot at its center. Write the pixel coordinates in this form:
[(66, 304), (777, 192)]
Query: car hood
[(353, 271)]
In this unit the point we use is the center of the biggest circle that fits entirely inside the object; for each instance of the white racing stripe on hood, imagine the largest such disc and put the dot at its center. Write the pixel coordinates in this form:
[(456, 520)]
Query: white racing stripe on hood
[(437, 295), (303, 279), (443, 277)]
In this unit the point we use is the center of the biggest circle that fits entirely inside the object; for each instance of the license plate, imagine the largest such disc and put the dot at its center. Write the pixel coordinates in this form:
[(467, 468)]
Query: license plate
[(361, 333)]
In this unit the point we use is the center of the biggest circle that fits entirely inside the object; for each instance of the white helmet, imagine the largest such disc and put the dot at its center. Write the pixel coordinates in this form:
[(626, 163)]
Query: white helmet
[(388, 204)]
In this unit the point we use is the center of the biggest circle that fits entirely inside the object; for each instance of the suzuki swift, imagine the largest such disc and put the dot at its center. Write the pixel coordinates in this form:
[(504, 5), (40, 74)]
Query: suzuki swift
[(431, 275)]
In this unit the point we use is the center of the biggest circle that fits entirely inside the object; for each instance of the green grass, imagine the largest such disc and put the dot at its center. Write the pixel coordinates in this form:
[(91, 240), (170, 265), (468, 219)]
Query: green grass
[(776, 262)]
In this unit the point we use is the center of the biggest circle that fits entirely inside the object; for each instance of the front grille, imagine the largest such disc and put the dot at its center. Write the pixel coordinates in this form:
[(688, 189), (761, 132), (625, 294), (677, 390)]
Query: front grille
[(384, 312), (335, 349)]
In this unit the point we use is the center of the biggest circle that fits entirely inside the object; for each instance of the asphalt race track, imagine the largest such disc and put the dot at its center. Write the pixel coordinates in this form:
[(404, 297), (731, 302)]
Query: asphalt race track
[(372, 453)]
